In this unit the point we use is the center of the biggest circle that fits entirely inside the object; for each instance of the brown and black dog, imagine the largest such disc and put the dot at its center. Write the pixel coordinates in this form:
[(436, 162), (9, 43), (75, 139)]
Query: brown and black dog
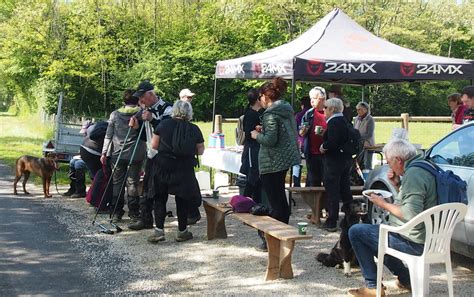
[(43, 167)]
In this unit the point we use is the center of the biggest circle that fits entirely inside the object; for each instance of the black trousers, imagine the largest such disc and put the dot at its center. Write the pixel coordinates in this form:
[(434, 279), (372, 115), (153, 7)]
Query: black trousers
[(338, 186), (274, 186), (159, 208), (253, 189), (92, 161), (315, 165)]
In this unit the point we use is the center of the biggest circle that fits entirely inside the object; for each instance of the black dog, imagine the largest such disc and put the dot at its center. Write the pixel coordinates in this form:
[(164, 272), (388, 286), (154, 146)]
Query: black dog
[(342, 253)]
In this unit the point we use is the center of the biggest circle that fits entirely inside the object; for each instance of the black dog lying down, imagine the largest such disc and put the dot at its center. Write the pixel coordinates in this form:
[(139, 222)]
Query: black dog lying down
[(342, 252)]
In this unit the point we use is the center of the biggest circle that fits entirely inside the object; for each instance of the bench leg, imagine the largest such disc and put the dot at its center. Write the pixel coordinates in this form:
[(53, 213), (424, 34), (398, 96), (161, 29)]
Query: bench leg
[(279, 258), (215, 223), (314, 202)]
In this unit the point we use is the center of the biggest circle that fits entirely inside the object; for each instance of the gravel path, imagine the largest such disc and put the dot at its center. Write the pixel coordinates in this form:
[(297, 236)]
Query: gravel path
[(126, 263)]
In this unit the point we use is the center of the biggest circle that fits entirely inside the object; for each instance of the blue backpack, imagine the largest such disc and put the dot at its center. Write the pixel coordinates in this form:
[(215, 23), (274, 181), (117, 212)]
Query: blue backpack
[(449, 186)]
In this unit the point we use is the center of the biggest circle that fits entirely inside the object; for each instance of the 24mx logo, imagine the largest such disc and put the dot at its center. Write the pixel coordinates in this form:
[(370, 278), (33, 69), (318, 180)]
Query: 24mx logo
[(349, 68), (408, 69), (315, 67)]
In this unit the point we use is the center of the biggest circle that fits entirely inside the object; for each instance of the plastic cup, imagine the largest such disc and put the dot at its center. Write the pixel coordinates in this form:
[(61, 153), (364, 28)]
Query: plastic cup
[(302, 227), (215, 194), (318, 130)]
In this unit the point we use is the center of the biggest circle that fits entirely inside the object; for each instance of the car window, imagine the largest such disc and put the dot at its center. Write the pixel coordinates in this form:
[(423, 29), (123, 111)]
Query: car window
[(456, 149)]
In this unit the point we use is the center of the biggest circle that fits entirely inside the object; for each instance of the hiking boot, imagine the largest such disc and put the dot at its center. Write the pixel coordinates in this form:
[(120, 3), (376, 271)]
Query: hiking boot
[(158, 235), (140, 225), (78, 195), (183, 236), (194, 220)]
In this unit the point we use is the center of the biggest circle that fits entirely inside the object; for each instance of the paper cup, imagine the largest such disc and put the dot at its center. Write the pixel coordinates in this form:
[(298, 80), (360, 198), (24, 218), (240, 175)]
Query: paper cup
[(215, 194), (302, 228)]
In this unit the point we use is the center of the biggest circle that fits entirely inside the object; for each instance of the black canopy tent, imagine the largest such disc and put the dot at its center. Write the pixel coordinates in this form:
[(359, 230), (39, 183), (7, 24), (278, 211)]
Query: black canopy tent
[(338, 50)]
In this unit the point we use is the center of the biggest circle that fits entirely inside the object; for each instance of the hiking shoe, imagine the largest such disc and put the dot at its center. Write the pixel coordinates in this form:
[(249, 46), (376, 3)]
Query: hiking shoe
[(329, 228), (183, 235), (78, 195), (140, 225), (158, 235), (193, 221)]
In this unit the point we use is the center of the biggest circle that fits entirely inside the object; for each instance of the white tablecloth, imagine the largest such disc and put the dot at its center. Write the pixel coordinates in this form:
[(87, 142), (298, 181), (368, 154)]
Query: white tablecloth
[(222, 159)]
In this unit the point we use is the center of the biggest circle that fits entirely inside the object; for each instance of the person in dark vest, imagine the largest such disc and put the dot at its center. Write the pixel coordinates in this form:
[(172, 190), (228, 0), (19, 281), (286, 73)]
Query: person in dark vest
[(313, 139), (156, 110)]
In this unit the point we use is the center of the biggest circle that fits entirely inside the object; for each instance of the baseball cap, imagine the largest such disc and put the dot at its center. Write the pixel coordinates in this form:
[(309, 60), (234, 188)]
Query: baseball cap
[(186, 93), (142, 88)]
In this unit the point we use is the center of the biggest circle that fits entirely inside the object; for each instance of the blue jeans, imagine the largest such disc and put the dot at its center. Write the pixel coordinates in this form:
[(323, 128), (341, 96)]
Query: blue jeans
[(365, 241)]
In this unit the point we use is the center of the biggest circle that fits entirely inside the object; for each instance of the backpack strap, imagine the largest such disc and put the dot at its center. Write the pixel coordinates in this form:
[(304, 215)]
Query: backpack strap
[(426, 165)]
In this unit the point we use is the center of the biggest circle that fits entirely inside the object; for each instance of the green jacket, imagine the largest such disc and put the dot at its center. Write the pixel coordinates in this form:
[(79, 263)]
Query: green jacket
[(417, 193), (278, 148)]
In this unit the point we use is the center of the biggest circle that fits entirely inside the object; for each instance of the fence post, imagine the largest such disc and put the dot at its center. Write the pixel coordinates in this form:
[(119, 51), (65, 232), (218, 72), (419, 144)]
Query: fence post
[(405, 119)]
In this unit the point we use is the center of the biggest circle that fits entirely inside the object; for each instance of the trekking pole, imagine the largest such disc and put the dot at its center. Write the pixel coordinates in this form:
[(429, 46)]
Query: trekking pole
[(102, 227), (122, 187)]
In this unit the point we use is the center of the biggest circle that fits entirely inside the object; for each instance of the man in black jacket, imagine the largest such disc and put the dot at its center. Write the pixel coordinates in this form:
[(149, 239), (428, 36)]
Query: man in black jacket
[(337, 162)]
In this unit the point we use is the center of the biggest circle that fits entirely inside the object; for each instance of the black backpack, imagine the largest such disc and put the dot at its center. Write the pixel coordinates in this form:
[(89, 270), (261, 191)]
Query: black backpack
[(449, 186), (354, 145), (183, 142)]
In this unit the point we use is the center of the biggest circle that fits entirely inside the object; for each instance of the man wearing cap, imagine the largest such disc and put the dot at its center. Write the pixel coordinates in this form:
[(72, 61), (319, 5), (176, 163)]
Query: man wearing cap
[(193, 213), (156, 110), (186, 95)]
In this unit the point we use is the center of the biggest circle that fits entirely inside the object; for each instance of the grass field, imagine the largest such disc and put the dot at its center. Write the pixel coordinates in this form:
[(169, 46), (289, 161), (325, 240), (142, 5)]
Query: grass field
[(421, 133), (25, 135)]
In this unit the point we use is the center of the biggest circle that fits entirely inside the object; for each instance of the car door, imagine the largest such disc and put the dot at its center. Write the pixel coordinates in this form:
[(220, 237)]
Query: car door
[(455, 152)]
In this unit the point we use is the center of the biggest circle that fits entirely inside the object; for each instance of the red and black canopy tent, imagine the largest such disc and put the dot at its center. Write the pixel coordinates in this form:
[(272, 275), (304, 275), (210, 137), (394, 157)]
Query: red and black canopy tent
[(338, 50)]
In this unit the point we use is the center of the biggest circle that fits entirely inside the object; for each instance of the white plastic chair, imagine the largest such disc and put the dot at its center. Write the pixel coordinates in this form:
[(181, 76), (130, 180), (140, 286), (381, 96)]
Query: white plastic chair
[(439, 225)]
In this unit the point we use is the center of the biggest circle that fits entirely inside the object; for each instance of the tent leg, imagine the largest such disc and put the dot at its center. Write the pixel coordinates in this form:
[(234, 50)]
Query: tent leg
[(214, 104)]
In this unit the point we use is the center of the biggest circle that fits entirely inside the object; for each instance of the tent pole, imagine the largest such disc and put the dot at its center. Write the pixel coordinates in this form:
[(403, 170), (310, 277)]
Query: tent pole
[(214, 105)]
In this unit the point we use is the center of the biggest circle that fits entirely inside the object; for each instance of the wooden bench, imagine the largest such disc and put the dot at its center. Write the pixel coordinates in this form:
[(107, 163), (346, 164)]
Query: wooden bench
[(280, 236), (315, 197)]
